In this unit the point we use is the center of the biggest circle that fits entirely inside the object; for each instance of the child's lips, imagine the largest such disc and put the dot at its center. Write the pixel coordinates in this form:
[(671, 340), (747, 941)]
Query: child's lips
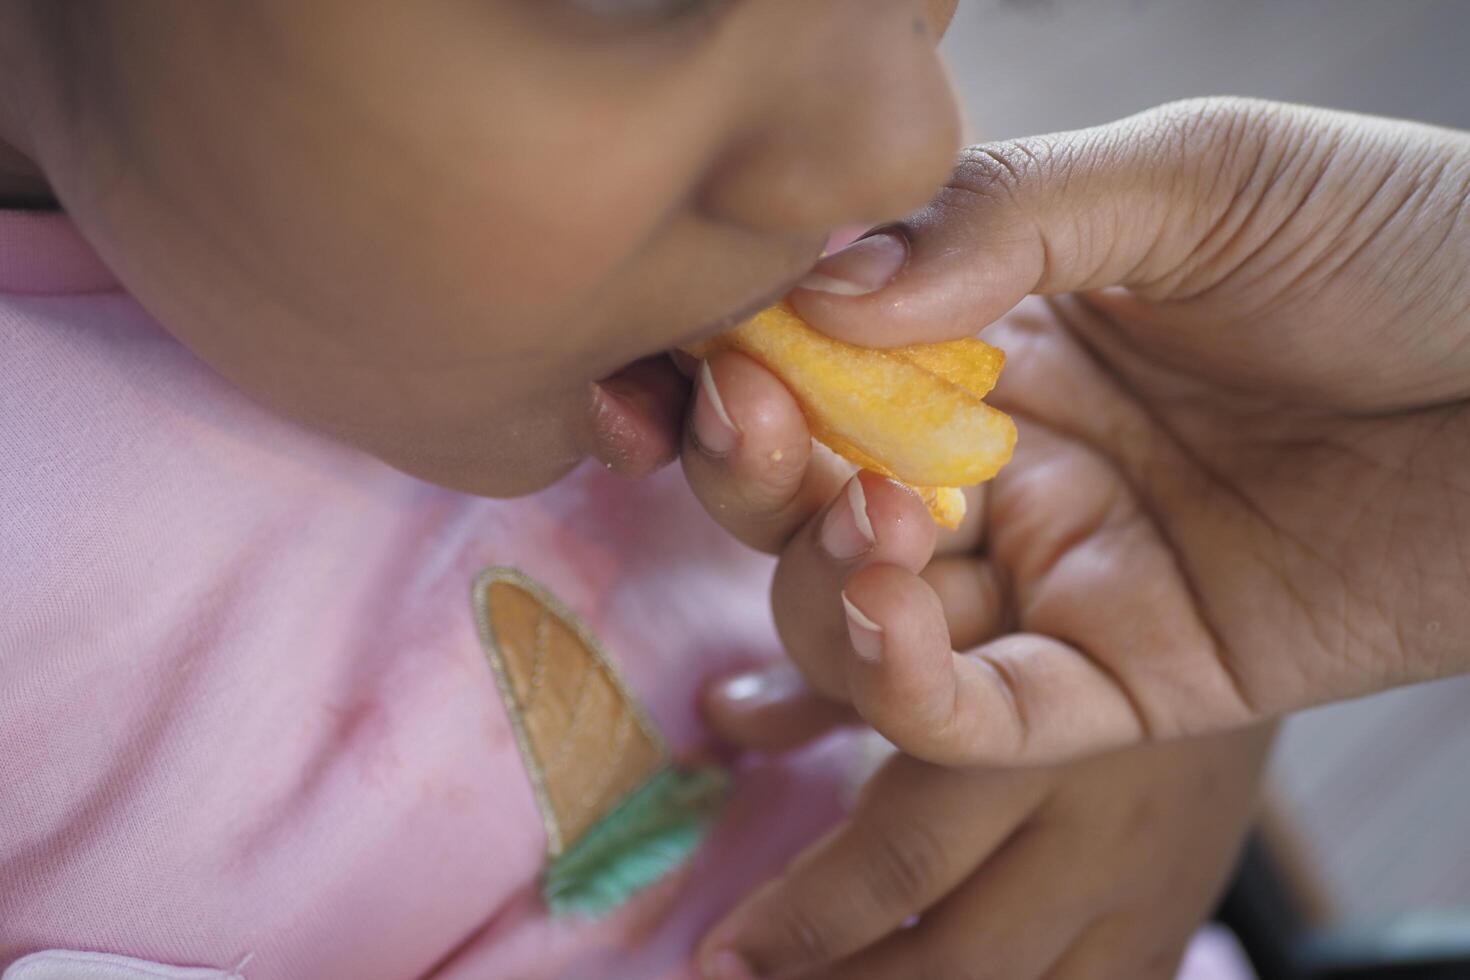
[(637, 416), (638, 411)]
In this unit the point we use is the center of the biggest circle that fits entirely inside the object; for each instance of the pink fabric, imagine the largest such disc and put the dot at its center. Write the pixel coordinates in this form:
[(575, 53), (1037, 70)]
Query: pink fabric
[(243, 707), (1215, 955), (40, 252)]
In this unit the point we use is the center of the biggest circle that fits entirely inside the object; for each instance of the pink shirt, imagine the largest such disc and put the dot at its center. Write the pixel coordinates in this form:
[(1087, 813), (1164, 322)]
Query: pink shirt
[(244, 710)]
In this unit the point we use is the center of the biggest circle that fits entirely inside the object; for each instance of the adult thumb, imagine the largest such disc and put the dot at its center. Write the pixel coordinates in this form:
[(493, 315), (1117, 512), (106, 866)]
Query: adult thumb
[(1125, 204)]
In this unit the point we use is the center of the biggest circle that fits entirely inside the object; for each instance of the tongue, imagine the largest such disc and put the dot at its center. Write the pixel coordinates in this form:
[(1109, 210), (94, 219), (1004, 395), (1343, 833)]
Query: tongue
[(637, 416)]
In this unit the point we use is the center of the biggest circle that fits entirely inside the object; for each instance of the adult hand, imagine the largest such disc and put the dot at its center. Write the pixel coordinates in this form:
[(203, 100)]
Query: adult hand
[(1243, 479)]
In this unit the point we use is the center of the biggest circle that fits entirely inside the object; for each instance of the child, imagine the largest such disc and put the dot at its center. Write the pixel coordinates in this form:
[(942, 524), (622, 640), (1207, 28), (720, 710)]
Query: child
[(272, 708)]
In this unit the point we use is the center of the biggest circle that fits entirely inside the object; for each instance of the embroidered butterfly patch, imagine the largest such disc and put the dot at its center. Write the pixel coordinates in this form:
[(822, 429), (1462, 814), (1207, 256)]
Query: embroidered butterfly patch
[(618, 813)]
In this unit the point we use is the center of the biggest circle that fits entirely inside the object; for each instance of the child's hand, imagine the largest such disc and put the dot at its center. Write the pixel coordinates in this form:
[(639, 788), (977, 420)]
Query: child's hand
[(1097, 870), (1242, 484)]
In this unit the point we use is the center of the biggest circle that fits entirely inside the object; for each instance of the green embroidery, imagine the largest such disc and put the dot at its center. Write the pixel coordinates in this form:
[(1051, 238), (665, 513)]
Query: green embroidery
[(644, 838), (618, 815)]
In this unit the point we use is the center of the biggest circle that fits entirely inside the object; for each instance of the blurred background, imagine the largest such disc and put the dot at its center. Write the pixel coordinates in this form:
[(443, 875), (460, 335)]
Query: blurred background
[(1377, 791)]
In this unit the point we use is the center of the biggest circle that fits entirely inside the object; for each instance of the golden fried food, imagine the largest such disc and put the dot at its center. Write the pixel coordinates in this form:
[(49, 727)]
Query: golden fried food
[(912, 413)]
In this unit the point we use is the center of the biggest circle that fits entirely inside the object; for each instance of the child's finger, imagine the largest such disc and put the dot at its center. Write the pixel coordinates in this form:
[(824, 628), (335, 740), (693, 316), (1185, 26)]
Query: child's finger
[(972, 595), (1122, 946), (872, 519), (771, 709), (1019, 700), (1012, 919), (916, 833), (748, 455)]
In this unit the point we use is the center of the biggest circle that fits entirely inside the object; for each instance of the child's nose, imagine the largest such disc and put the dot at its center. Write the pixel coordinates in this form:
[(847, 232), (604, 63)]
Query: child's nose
[(850, 121)]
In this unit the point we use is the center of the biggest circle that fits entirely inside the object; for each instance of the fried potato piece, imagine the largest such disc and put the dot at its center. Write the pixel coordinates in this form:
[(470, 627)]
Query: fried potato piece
[(912, 413)]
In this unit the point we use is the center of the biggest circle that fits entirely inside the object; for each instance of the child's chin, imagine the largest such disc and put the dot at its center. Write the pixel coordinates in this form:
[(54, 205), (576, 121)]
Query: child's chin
[(509, 474)]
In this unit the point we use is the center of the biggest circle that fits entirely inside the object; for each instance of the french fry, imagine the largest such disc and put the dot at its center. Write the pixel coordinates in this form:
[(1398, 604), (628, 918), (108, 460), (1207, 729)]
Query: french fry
[(914, 414)]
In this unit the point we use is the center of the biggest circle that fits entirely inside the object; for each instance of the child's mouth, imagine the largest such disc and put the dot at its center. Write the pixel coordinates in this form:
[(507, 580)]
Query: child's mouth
[(637, 414), (638, 410)]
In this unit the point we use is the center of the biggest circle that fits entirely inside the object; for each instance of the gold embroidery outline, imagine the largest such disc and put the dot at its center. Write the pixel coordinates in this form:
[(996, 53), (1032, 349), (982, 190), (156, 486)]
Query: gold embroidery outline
[(480, 594)]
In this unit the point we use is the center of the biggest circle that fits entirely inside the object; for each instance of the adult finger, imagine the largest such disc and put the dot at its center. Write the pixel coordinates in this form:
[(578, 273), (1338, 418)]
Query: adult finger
[(1129, 203)]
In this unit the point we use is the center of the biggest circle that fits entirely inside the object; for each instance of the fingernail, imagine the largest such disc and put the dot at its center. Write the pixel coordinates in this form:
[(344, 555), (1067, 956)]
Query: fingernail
[(847, 531), (725, 965), (713, 430), (866, 635), (865, 266)]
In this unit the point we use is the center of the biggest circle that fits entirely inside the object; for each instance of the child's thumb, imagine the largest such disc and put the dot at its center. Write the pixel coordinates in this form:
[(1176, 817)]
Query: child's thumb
[(1125, 204)]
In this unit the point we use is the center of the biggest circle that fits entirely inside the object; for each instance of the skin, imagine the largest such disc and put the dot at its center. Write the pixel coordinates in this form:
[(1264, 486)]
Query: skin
[(1241, 486), (460, 235), (429, 229), (1097, 870)]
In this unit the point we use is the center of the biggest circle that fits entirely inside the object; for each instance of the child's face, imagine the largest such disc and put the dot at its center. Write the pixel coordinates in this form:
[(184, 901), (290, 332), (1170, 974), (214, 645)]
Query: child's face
[(430, 227)]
